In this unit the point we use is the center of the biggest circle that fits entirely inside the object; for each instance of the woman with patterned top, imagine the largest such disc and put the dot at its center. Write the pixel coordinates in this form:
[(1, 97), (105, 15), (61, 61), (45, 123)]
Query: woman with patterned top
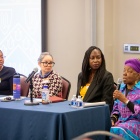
[(126, 111), (47, 76)]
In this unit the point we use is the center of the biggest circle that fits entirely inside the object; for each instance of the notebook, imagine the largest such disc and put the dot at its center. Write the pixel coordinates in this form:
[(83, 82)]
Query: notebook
[(55, 99)]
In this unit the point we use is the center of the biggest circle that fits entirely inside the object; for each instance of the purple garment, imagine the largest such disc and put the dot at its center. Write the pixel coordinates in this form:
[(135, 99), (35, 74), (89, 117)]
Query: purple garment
[(128, 124), (134, 64)]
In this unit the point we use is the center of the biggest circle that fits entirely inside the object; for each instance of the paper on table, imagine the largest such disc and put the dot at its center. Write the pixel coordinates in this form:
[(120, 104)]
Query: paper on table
[(37, 99), (2, 98), (53, 99), (93, 104)]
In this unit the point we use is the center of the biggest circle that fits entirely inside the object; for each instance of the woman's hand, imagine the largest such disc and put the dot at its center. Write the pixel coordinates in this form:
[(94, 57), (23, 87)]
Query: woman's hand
[(112, 122), (118, 95)]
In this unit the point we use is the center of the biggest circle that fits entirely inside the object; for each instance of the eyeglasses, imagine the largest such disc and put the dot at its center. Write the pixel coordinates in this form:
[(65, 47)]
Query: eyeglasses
[(45, 64)]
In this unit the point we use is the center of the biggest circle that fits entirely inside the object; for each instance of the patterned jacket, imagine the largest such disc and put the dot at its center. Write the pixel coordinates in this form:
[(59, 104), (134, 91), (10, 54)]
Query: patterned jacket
[(53, 80)]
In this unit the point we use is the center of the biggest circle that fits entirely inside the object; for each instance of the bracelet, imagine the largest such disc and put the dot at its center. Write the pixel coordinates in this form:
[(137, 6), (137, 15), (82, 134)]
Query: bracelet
[(126, 102)]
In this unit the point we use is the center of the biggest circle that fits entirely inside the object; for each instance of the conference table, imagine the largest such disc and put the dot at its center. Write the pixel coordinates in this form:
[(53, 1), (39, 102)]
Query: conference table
[(54, 121)]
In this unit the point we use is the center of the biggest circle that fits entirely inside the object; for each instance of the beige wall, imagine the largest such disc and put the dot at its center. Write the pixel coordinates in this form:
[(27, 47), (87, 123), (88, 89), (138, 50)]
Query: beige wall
[(126, 29), (105, 30), (118, 22), (69, 33)]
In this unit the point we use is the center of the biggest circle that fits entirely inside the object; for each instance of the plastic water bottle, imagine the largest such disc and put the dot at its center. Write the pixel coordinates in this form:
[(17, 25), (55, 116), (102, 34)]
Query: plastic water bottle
[(79, 102), (73, 100), (45, 94), (16, 86)]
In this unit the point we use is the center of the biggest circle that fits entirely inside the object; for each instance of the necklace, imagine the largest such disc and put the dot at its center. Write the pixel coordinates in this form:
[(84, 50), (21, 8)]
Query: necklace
[(129, 87)]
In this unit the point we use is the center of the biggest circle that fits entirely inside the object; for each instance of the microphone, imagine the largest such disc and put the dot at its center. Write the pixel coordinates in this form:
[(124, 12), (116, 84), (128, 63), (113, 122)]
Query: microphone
[(31, 75), (118, 83)]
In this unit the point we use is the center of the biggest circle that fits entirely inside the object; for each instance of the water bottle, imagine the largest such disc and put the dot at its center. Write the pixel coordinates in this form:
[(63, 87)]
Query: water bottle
[(79, 102), (45, 94), (16, 86), (73, 100)]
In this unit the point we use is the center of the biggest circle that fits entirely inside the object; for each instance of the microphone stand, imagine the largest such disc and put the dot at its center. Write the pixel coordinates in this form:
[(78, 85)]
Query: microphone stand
[(31, 102), (31, 91)]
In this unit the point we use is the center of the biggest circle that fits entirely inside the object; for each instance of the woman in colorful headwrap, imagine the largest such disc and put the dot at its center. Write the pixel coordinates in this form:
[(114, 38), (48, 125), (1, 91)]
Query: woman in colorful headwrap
[(125, 115)]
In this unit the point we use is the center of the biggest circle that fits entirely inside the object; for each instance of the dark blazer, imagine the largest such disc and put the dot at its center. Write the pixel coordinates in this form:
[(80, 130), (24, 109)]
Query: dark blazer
[(99, 92)]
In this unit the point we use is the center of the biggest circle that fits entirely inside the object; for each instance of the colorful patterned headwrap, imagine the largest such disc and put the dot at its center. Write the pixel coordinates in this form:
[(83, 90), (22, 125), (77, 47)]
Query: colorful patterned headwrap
[(134, 63)]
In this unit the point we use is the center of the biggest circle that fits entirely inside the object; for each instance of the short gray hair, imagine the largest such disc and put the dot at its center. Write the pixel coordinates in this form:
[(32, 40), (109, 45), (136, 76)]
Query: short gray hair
[(42, 55)]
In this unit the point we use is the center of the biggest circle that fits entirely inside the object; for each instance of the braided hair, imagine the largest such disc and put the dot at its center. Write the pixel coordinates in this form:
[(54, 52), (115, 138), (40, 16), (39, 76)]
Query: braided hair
[(86, 67)]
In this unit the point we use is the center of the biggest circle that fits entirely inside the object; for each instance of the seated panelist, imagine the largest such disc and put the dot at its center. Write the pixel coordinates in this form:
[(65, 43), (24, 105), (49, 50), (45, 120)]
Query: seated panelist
[(95, 83), (126, 111), (6, 77), (46, 76)]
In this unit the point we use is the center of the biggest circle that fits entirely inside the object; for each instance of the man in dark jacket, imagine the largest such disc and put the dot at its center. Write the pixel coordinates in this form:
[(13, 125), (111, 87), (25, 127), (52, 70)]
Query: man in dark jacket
[(6, 77)]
